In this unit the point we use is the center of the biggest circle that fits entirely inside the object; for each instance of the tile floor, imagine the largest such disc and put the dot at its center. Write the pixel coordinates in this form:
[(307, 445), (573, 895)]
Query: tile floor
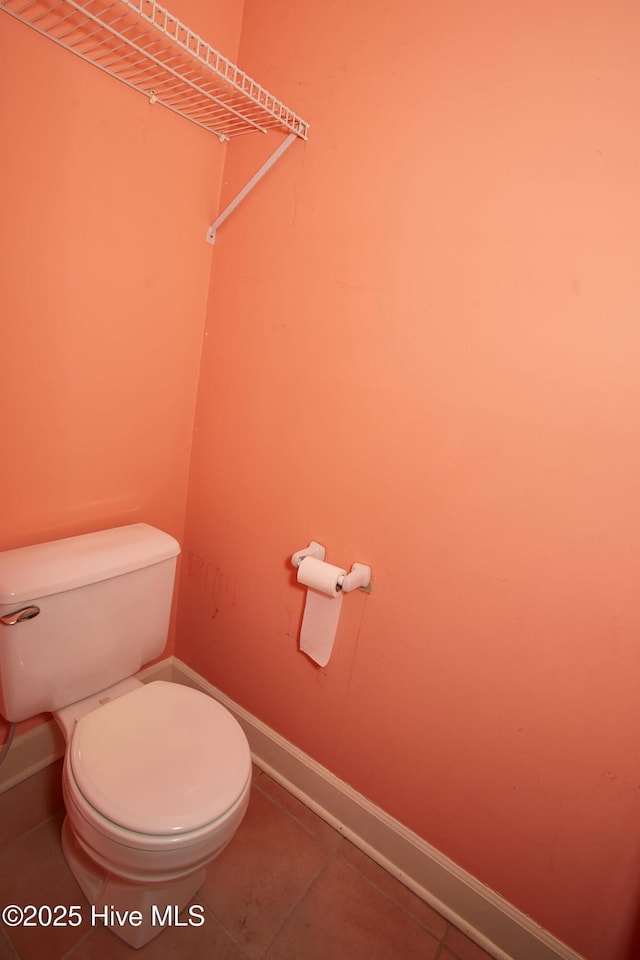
[(288, 887)]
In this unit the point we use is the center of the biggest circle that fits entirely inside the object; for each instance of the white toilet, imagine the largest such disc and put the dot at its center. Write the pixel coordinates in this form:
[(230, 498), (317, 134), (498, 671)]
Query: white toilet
[(156, 776)]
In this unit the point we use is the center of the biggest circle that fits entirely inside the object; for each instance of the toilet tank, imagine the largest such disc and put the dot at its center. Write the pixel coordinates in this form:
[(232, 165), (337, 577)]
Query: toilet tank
[(104, 602)]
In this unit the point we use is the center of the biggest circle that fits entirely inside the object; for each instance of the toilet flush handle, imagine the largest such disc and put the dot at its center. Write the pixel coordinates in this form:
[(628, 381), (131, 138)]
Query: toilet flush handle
[(26, 613)]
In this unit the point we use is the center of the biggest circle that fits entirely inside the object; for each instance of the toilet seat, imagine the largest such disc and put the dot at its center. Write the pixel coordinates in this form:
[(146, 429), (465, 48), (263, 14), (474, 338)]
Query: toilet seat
[(163, 761), (146, 858)]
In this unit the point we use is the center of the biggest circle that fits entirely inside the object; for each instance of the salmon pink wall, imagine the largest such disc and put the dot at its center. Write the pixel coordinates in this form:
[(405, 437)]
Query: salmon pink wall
[(422, 350), (104, 271)]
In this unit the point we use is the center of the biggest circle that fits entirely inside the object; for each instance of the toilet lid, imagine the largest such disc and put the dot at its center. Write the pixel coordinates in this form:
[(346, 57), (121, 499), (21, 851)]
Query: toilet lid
[(163, 759)]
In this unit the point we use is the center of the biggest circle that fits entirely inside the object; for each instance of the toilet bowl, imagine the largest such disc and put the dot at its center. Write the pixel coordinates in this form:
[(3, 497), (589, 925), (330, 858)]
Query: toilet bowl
[(156, 776), (156, 780)]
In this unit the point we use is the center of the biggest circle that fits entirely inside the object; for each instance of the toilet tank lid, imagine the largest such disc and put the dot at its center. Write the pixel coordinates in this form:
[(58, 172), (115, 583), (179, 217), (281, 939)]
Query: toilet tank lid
[(28, 573)]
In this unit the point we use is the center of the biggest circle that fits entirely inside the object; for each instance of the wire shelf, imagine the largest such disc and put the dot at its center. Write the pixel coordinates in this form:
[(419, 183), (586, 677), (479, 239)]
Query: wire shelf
[(144, 46)]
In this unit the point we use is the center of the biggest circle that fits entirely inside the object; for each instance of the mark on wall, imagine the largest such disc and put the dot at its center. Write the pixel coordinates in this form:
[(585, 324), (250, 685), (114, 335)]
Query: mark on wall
[(214, 589)]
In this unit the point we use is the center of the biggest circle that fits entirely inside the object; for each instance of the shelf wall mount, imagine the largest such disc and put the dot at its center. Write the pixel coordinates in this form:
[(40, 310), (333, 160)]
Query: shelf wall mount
[(286, 143), (141, 44)]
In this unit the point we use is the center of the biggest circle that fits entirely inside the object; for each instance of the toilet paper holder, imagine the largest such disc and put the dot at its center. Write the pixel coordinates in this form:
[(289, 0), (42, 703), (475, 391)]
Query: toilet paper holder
[(358, 578)]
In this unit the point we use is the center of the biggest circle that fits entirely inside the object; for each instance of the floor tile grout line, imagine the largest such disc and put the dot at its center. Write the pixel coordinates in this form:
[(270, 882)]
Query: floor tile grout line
[(9, 945), (335, 856), (332, 856), (297, 820), (69, 954), (331, 851), (398, 906), (242, 947), (60, 813)]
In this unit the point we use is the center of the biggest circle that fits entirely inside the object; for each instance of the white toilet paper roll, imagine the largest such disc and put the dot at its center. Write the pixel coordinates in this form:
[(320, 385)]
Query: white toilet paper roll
[(320, 575), (322, 608)]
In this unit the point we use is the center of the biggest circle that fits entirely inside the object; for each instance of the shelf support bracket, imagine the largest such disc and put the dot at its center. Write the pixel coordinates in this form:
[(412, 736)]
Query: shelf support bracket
[(286, 143)]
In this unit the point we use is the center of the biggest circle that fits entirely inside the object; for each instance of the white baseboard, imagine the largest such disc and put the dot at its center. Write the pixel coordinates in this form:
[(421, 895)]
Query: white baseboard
[(498, 927)]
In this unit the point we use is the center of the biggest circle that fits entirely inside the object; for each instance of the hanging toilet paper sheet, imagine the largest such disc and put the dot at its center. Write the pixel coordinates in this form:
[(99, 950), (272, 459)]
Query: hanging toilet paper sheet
[(322, 608)]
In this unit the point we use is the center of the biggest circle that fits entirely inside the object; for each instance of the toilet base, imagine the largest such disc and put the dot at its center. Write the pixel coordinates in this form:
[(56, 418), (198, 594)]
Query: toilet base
[(135, 913)]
